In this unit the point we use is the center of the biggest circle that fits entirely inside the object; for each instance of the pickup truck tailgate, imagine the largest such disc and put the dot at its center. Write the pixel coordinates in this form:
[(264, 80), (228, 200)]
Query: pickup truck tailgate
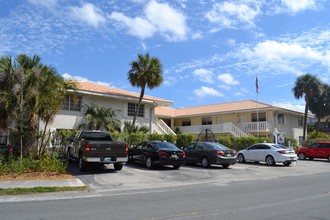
[(106, 149)]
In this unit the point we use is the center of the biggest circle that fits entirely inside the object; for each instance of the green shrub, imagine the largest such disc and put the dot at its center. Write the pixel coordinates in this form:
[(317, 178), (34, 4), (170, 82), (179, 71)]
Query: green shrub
[(170, 138), (184, 139), (239, 143), (155, 137), (135, 138), (320, 135), (46, 163)]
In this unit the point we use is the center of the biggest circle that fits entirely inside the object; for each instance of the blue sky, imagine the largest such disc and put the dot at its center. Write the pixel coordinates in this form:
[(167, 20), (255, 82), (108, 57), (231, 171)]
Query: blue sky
[(211, 51)]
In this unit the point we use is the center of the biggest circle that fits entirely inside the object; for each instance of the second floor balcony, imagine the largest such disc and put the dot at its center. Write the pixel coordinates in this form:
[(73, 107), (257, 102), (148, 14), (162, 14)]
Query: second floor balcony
[(240, 129)]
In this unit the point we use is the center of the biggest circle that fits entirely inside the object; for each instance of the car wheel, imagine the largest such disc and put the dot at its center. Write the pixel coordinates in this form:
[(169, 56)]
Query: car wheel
[(176, 167), (241, 158), (82, 164), (205, 162), (225, 165), (118, 166), (270, 161), (301, 156), (287, 163), (149, 163)]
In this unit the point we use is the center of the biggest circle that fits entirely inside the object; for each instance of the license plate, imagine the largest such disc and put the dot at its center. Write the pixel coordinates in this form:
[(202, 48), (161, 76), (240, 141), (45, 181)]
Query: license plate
[(228, 155), (174, 156), (107, 159)]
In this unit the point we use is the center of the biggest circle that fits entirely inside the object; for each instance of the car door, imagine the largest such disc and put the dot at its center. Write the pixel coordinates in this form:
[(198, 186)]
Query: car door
[(199, 151), (314, 150), (323, 150), (262, 152), (190, 150), (250, 153), (137, 153)]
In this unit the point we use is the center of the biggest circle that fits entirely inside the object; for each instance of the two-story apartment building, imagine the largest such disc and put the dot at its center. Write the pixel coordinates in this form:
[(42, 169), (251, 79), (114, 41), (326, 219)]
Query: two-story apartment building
[(241, 118), (123, 102)]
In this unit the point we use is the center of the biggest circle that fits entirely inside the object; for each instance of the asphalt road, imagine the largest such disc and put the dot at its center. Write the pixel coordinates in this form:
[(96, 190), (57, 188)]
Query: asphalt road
[(245, 191)]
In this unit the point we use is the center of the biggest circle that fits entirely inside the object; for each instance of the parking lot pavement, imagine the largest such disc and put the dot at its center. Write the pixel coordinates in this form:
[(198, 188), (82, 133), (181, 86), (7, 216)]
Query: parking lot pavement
[(136, 176)]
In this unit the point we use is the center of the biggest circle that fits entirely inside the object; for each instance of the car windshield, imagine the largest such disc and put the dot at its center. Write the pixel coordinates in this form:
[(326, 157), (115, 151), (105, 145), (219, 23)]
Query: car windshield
[(218, 146), (166, 146)]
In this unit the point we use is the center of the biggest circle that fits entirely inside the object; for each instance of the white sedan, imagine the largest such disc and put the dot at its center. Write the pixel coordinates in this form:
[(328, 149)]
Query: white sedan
[(268, 152)]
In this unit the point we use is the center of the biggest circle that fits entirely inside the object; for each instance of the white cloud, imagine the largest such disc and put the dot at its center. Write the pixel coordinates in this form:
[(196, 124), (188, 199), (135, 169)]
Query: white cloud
[(158, 17), (288, 105), (69, 77), (295, 6), (207, 91), (167, 20), (283, 57), (49, 4), (230, 14), (231, 42), (224, 87), (139, 27), (228, 79), (204, 75), (88, 14)]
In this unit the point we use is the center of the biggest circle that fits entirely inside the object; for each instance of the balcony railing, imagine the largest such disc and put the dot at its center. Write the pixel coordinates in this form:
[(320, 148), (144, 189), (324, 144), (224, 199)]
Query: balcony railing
[(256, 126), (162, 128), (241, 130)]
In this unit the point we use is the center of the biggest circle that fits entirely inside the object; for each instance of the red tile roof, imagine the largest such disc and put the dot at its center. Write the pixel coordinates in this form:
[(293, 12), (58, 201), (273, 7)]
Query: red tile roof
[(98, 89), (239, 106)]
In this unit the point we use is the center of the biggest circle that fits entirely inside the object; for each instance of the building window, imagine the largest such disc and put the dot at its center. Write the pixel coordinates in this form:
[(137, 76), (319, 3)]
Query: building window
[(262, 117), (72, 103), (186, 122), (280, 119), (131, 108), (300, 121), (207, 121)]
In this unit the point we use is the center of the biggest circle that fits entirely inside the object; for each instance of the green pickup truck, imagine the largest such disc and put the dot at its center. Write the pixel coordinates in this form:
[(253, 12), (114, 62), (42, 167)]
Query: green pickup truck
[(96, 147)]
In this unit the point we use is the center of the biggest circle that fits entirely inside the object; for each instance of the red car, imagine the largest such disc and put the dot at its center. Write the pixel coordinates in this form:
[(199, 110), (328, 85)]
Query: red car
[(315, 150)]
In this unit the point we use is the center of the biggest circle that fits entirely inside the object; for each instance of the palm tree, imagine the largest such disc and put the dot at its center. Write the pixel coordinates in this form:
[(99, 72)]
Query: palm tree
[(307, 86), (99, 116), (128, 127), (52, 92), (320, 105), (29, 92), (145, 72), (18, 93)]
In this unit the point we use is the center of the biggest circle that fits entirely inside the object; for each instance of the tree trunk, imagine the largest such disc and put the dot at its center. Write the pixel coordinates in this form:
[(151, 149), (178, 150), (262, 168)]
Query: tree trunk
[(305, 121), (317, 127), (138, 107)]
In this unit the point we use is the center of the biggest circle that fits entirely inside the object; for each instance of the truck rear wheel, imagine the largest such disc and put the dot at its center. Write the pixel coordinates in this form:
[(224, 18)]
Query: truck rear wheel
[(118, 166), (82, 164)]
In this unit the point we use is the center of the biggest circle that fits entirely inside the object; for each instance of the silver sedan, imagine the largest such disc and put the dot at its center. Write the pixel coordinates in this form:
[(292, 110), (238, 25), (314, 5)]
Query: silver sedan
[(267, 152)]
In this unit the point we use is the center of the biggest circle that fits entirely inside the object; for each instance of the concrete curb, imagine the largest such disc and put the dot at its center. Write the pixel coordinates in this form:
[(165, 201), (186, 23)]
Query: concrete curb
[(41, 183)]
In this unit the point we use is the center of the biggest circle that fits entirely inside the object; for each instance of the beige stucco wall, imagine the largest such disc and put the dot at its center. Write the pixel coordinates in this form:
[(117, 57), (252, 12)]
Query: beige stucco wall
[(71, 119)]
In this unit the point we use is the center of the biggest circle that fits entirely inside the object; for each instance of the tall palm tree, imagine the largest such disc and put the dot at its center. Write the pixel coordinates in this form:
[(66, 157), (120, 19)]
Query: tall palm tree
[(307, 86), (320, 105), (145, 72)]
